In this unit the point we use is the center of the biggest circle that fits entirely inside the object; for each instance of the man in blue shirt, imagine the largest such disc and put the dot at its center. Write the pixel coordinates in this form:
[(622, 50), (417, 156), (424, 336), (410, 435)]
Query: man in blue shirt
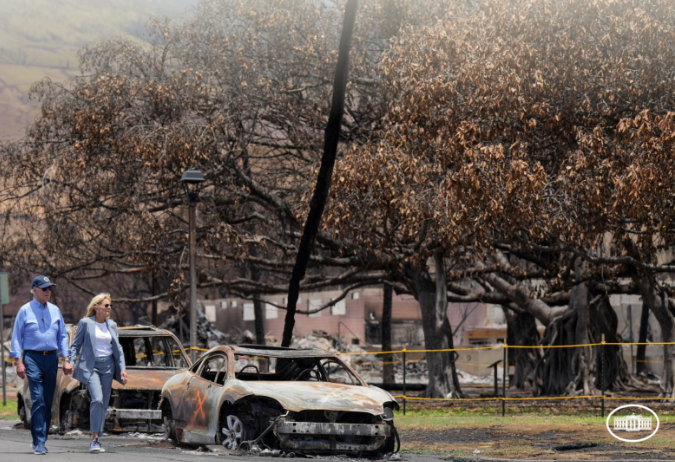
[(38, 332)]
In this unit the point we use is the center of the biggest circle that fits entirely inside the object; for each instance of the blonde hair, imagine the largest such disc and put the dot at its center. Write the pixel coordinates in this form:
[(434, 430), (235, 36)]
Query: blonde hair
[(94, 302)]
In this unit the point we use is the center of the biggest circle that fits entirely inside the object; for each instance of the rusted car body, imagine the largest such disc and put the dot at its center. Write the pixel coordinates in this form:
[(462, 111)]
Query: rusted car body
[(307, 401), (151, 356)]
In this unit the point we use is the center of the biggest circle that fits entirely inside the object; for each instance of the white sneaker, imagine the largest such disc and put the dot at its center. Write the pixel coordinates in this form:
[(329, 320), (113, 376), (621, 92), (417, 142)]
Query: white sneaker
[(95, 446)]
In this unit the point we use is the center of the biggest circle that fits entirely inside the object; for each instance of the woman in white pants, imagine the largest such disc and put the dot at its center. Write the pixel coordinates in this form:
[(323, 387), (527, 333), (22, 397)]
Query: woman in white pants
[(100, 360)]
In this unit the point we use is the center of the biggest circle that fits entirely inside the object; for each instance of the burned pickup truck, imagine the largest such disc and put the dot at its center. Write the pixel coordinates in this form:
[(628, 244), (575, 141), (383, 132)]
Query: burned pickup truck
[(151, 355), (295, 400)]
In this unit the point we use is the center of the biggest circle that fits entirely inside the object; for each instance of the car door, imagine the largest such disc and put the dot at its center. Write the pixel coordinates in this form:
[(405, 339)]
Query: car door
[(201, 399)]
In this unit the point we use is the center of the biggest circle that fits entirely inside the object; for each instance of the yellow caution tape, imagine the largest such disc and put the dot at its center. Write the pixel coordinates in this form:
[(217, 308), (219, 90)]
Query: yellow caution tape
[(554, 346), (534, 398), (196, 348), (494, 347), (497, 398), (413, 398), (346, 353)]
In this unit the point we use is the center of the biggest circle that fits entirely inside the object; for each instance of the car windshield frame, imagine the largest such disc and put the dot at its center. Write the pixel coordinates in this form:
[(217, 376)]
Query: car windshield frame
[(127, 338), (314, 369)]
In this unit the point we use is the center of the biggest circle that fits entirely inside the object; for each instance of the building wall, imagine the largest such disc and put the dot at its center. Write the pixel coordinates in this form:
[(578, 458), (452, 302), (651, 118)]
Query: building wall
[(347, 317), (360, 322), (406, 318)]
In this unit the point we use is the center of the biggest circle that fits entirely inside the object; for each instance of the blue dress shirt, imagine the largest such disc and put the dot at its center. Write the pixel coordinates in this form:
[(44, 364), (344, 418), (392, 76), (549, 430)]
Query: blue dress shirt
[(39, 327)]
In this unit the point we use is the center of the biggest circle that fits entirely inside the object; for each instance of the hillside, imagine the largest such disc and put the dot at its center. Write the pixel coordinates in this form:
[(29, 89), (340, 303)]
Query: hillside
[(40, 38)]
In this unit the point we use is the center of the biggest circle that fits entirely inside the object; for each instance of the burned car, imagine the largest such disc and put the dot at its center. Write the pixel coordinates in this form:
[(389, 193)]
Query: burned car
[(151, 356), (296, 400)]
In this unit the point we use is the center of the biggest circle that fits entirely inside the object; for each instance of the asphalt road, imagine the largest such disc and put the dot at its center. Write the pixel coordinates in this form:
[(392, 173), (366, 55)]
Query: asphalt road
[(74, 446)]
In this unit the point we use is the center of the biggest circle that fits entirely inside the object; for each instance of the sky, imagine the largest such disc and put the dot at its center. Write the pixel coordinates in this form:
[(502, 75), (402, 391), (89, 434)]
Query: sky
[(40, 38)]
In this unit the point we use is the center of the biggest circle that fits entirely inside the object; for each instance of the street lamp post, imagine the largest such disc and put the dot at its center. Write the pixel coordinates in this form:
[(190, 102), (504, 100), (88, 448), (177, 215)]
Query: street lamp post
[(191, 179)]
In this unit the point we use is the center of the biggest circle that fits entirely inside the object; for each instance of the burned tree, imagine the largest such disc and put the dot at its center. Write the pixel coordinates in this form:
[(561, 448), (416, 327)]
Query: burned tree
[(469, 132), (534, 127), (522, 331), (323, 181)]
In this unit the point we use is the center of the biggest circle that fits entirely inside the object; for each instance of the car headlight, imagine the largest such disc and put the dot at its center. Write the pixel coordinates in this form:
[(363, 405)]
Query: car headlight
[(388, 414)]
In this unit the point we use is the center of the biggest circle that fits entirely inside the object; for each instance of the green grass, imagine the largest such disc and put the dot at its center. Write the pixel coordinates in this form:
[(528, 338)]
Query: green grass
[(8, 412), (438, 419)]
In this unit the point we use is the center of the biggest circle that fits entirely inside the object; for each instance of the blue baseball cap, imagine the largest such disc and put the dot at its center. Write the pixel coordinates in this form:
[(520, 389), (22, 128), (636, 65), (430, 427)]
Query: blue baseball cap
[(42, 282)]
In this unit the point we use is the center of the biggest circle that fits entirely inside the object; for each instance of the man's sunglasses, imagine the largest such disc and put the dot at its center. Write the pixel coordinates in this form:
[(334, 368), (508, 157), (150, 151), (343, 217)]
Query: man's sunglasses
[(46, 289)]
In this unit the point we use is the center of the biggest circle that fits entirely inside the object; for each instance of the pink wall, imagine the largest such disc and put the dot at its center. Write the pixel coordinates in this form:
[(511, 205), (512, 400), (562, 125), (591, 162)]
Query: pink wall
[(365, 305), (231, 319)]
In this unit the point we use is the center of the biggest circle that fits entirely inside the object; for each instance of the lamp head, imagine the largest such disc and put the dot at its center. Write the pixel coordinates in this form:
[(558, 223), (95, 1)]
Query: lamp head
[(191, 180)]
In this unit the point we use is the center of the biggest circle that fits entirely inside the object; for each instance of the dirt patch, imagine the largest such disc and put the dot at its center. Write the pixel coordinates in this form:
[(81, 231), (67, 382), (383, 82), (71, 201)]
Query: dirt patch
[(517, 439)]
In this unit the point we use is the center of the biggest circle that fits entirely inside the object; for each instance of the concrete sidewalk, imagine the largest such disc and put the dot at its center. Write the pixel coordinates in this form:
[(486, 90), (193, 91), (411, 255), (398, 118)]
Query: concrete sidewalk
[(15, 447)]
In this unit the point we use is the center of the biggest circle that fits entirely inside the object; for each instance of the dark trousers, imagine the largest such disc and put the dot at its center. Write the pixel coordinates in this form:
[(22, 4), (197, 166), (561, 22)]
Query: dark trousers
[(41, 374)]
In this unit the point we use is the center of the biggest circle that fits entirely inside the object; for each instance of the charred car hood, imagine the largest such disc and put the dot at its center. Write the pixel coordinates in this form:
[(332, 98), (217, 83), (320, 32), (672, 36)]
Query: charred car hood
[(146, 379), (300, 396)]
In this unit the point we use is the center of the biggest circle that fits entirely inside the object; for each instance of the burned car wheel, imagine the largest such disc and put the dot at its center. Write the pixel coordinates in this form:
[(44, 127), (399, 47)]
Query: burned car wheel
[(65, 416), (66, 421), (22, 414), (74, 411), (169, 424), (234, 432), (392, 443)]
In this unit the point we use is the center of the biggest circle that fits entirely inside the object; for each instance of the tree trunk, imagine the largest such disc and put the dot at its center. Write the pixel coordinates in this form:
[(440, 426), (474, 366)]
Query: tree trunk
[(259, 322), (385, 325), (617, 372), (320, 195), (577, 371), (433, 299), (259, 312), (569, 371), (522, 330), (258, 309), (155, 291), (572, 371), (668, 330), (659, 304), (586, 354), (641, 355)]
